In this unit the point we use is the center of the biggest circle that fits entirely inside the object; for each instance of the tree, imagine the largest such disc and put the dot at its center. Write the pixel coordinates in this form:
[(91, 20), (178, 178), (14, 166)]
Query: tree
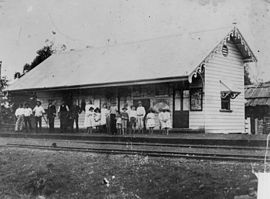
[(247, 80), (42, 54), (26, 68), (3, 82)]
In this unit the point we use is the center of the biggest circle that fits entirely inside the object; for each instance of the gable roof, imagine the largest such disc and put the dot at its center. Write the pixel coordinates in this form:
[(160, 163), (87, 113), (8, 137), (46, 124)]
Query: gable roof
[(174, 56)]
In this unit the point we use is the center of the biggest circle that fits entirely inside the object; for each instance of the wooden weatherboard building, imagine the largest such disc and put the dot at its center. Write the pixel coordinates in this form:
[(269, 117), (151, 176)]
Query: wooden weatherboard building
[(199, 76)]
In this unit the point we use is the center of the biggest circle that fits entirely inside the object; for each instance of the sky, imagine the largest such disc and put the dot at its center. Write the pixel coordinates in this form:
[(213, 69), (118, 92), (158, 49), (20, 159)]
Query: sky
[(25, 25)]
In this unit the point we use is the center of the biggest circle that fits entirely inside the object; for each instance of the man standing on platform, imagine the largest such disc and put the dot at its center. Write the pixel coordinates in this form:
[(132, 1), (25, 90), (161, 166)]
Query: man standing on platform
[(27, 117), (140, 116), (75, 110), (63, 112), (38, 113), (51, 114), (113, 112)]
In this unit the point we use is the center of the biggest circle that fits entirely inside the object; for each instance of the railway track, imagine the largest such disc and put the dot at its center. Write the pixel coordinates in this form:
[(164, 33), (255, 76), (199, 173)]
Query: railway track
[(144, 152), (251, 148)]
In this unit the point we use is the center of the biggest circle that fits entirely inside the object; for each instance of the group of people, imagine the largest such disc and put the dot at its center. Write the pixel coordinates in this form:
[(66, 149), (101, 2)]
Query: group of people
[(107, 119), (67, 115), (23, 114), (129, 119)]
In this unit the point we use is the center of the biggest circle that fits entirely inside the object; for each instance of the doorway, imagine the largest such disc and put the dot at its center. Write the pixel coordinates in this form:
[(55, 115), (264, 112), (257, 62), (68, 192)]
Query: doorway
[(180, 108)]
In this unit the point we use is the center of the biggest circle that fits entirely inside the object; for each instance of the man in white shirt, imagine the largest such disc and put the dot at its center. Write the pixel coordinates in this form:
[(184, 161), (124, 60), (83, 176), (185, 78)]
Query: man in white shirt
[(27, 117), (19, 113), (140, 116), (38, 113)]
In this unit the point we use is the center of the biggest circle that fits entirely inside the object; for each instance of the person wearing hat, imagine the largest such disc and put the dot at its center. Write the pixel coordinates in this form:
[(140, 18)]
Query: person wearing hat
[(124, 119), (27, 117), (19, 113), (150, 120), (63, 114), (132, 119), (75, 110), (140, 116), (51, 114), (38, 113), (113, 113), (104, 120), (165, 120)]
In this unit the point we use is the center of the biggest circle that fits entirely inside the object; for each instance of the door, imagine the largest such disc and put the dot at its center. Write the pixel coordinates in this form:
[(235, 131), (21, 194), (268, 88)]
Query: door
[(181, 109)]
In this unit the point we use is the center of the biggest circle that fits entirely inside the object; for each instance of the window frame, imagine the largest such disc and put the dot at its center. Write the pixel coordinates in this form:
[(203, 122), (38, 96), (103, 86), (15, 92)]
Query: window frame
[(193, 91), (227, 99)]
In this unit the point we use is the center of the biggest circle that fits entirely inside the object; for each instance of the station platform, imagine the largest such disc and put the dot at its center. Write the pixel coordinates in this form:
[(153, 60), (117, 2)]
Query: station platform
[(172, 138)]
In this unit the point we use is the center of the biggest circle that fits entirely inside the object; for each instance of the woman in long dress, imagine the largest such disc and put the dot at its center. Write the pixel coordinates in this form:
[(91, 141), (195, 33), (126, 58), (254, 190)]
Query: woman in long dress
[(104, 117), (165, 120)]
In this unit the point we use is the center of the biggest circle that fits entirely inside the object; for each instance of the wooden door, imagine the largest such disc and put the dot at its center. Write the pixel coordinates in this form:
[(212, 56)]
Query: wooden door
[(180, 116)]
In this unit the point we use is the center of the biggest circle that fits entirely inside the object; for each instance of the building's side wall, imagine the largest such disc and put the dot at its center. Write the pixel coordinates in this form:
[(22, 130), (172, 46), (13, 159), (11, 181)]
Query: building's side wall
[(229, 70), (196, 118)]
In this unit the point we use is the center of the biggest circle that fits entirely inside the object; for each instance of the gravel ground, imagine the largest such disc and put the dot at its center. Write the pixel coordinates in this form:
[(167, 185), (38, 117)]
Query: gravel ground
[(40, 174)]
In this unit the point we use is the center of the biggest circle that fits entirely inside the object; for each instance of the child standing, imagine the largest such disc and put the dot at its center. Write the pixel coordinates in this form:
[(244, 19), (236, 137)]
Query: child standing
[(91, 121), (118, 123), (97, 119), (150, 121), (124, 118), (132, 119)]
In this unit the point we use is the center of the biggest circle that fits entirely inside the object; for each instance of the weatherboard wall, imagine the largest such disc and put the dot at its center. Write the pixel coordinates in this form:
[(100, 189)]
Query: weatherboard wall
[(230, 70)]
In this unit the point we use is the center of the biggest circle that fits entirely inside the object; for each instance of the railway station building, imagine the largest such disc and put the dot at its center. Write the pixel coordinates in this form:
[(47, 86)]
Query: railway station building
[(198, 75)]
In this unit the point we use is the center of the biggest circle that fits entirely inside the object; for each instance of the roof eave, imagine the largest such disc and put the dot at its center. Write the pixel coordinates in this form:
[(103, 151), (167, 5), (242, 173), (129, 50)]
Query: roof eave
[(103, 85)]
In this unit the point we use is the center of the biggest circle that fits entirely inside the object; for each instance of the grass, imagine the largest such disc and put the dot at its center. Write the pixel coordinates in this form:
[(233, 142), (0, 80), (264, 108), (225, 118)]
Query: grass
[(32, 173)]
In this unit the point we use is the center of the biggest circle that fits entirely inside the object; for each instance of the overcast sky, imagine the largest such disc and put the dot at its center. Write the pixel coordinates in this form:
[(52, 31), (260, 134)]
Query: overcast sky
[(26, 24)]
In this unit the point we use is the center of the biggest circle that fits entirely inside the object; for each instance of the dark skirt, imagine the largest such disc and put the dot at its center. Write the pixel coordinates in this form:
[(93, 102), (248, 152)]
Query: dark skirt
[(113, 124)]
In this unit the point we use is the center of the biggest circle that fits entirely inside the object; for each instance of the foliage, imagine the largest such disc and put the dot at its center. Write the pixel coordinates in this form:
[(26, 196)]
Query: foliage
[(42, 54), (3, 82), (247, 80), (6, 111)]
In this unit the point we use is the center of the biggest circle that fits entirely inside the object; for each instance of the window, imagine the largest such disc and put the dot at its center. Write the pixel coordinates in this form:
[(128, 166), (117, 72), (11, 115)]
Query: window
[(196, 99), (226, 103), (225, 51)]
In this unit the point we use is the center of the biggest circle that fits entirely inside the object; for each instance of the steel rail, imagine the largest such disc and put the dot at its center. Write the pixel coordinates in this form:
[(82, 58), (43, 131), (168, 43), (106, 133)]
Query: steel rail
[(172, 145), (154, 153)]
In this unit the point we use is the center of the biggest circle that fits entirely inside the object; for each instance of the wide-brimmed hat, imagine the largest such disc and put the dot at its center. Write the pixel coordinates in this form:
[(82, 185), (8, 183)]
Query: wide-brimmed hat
[(124, 108)]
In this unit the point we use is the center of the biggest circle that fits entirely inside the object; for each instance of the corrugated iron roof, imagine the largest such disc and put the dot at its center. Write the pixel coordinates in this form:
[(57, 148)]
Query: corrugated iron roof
[(258, 102), (261, 91), (258, 95), (166, 57)]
